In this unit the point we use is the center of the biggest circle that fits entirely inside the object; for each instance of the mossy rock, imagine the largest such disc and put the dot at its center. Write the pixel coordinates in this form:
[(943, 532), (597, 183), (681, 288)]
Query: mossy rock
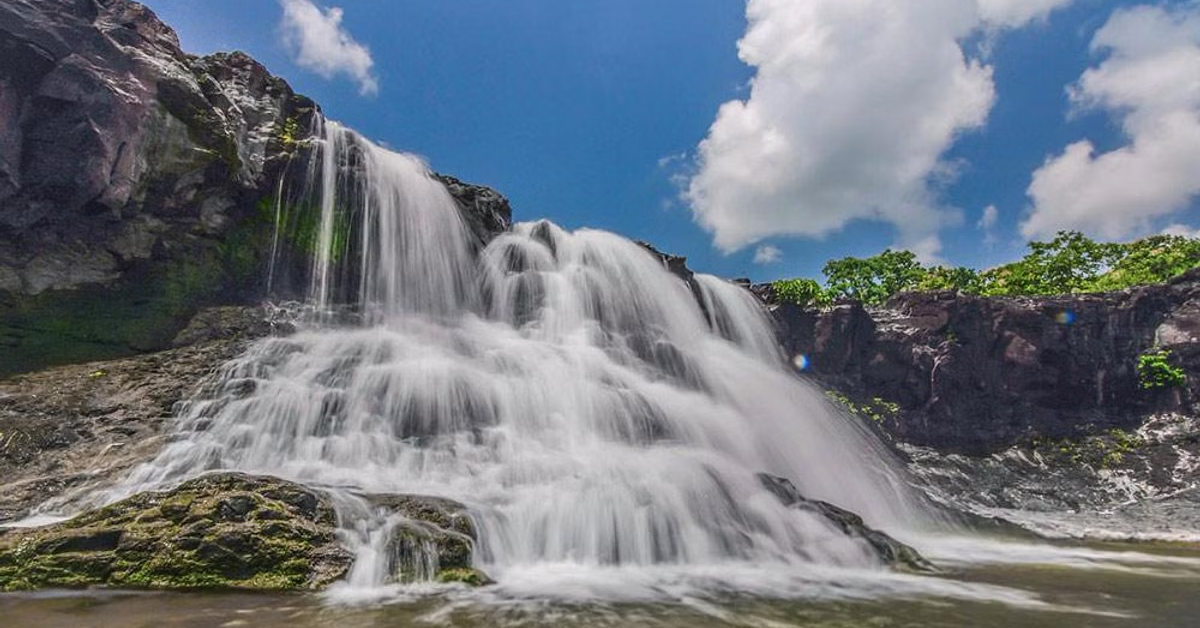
[(435, 539), (220, 531), (469, 576)]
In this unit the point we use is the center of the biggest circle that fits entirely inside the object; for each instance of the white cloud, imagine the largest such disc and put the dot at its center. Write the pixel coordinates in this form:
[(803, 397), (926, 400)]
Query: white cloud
[(318, 42), (1150, 83), (851, 109), (767, 254), (1181, 230), (1016, 12), (987, 223), (989, 217)]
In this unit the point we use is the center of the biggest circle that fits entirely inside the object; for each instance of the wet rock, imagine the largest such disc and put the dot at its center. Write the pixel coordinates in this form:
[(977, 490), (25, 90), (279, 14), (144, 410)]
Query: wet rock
[(237, 323), (486, 211), (434, 540), (889, 550), (67, 428), (220, 531), (1113, 484)]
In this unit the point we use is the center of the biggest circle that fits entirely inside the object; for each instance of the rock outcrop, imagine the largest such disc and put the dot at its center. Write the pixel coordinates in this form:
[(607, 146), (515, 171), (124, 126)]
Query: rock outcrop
[(219, 531), (976, 375), (136, 181), (889, 550)]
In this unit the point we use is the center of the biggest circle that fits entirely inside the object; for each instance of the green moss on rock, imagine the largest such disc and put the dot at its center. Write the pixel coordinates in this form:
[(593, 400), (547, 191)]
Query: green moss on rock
[(436, 534), (468, 576), (222, 531)]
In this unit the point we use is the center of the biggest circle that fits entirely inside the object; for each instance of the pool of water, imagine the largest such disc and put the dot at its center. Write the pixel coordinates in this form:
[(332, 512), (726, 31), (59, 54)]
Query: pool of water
[(983, 584)]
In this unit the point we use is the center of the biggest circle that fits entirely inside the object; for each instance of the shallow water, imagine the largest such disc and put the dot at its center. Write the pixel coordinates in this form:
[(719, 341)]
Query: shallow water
[(1096, 586)]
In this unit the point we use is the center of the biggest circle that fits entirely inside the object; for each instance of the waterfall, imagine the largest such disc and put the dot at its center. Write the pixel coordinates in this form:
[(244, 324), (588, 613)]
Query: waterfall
[(573, 393)]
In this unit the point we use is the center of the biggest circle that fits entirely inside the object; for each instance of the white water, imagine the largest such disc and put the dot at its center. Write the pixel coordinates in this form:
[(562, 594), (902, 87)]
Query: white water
[(564, 386)]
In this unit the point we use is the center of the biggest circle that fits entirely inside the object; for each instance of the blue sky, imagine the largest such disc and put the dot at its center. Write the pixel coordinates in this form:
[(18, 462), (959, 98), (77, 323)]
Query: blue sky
[(854, 124)]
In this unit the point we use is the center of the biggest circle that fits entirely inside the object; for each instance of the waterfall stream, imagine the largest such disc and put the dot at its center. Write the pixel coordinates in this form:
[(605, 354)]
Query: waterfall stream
[(577, 397)]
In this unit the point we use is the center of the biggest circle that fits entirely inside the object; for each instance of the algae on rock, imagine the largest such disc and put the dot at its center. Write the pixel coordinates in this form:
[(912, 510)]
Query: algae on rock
[(220, 531)]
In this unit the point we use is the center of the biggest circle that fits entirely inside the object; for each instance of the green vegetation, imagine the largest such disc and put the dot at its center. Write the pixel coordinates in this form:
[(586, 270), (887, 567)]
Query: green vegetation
[(801, 292), (300, 226), (874, 279), (466, 575), (1069, 263), (876, 409), (289, 133), (1155, 370), (1104, 451)]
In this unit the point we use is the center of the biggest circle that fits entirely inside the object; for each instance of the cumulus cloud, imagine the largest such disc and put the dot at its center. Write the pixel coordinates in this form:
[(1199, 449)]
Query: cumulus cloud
[(851, 109), (767, 254), (319, 42), (1150, 83)]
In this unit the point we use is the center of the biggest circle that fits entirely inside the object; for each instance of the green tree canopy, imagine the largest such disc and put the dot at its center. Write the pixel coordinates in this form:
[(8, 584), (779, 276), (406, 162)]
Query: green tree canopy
[(1071, 262), (874, 279)]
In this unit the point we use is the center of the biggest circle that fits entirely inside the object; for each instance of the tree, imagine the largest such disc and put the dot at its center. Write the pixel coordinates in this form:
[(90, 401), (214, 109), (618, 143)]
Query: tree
[(1150, 260), (874, 279), (958, 278), (1071, 262), (801, 292)]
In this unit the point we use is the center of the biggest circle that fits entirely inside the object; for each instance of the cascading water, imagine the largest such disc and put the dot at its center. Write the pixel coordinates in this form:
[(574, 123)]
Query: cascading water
[(567, 388)]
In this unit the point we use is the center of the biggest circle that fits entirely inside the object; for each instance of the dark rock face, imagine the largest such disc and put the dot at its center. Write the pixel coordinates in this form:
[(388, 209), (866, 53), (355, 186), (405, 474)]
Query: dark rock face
[(219, 531), (975, 375), (889, 550), (486, 211), (122, 146), (135, 180)]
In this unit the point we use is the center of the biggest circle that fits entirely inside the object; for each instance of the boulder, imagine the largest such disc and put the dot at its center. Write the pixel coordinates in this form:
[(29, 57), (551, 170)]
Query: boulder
[(219, 531), (434, 540), (888, 549)]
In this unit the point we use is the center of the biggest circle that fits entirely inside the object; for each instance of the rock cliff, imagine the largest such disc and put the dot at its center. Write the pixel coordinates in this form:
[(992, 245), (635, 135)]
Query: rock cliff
[(136, 179), (976, 375)]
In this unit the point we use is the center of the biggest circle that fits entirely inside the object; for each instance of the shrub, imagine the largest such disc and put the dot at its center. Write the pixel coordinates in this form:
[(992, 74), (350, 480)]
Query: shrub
[(801, 292), (1155, 370)]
